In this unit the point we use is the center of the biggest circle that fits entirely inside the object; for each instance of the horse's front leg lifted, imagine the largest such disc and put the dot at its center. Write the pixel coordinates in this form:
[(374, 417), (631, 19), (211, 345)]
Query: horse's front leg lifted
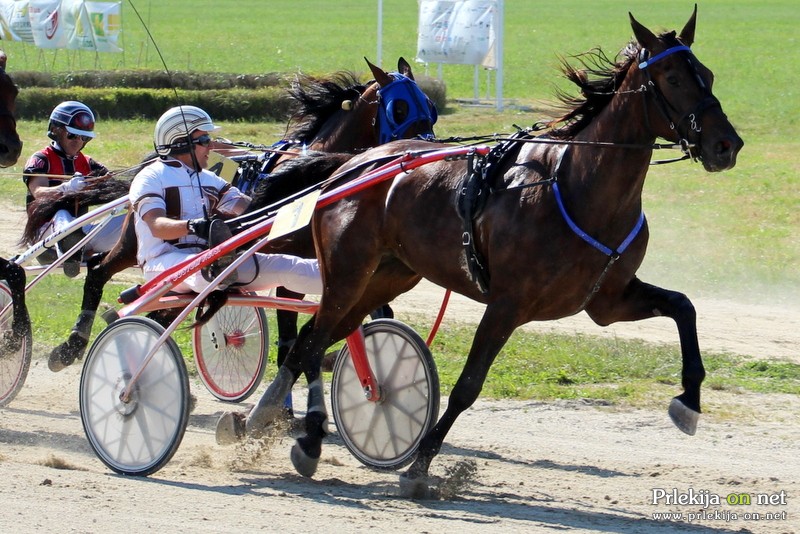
[(65, 354), (642, 301), (684, 410)]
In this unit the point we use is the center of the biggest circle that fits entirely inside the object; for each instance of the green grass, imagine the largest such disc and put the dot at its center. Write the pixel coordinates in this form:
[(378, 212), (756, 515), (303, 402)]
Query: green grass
[(530, 366), (749, 44), (555, 366), (725, 235)]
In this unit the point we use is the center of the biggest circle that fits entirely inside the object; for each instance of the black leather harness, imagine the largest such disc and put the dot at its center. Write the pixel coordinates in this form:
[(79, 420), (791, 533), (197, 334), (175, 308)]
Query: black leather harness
[(472, 196)]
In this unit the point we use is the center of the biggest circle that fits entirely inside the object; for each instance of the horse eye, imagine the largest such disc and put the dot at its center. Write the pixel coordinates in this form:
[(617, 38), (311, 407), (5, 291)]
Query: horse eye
[(673, 81), (400, 111)]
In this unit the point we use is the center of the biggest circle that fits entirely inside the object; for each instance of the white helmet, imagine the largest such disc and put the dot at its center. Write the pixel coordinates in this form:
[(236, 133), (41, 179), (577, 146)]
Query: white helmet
[(75, 117), (176, 125)]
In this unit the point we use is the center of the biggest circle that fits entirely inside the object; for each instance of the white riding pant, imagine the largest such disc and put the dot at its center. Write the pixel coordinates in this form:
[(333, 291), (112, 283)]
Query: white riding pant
[(102, 242), (259, 273)]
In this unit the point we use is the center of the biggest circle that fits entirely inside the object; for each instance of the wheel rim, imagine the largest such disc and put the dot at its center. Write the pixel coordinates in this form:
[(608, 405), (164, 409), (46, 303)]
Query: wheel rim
[(13, 365), (141, 434), (386, 434), (230, 352)]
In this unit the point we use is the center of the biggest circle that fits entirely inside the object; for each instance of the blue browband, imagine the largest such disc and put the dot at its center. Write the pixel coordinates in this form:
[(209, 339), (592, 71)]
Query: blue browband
[(649, 61)]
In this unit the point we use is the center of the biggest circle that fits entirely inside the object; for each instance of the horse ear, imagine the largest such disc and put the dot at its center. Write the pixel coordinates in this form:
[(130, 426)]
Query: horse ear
[(3, 59), (404, 68), (645, 37), (687, 33), (380, 75)]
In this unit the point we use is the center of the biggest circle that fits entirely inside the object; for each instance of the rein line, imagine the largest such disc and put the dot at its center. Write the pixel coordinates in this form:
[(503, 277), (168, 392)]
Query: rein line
[(684, 147)]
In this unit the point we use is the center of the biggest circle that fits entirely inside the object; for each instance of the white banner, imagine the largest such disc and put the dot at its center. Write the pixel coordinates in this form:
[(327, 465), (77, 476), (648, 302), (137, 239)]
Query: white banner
[(457, 31), (47, 23), (14, 22), (104, 21), (74, 24)]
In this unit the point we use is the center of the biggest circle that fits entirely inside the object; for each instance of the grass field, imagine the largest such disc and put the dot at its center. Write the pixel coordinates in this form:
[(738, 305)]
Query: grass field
[(729, 235)]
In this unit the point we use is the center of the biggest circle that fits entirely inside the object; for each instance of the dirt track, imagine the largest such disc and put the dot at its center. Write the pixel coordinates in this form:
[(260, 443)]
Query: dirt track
[(538, 466)]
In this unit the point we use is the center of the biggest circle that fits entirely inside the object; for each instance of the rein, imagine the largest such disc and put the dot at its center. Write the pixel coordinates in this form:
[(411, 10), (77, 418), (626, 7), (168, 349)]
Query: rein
[(572, 142)]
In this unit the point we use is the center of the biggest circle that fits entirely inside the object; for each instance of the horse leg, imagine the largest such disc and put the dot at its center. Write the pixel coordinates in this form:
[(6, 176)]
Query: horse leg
[(14, 275), (100, 270), (235, 426), (491, 335), (287, 334), (306, 451), (642, 301)]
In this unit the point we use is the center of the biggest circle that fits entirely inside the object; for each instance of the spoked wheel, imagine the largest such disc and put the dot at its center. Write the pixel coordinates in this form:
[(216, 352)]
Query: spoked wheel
[(386, 434), (139, 436), (14, 365), (230, 352)]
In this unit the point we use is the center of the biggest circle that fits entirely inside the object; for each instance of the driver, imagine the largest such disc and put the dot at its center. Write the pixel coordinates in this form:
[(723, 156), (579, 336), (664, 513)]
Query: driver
[(174, 199), (70, 129)]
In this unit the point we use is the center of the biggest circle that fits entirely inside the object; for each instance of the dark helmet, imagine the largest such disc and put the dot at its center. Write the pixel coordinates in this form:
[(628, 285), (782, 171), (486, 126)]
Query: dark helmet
[(76, 117)]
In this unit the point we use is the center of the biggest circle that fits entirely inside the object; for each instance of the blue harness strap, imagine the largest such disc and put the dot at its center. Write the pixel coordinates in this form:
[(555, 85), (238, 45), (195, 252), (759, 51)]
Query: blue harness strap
[(580, 232), (250, 175), (589, 239), (649, 61)]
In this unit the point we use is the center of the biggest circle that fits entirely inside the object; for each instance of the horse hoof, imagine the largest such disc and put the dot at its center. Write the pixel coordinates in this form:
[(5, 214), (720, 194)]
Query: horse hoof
[(60, 358), (230, 428), (10, 343), (418, 487), (303, 463), (684, 418)]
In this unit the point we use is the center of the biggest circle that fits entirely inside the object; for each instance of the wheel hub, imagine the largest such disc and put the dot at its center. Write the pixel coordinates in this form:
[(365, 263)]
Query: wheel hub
[(125, 408), (235, 339)]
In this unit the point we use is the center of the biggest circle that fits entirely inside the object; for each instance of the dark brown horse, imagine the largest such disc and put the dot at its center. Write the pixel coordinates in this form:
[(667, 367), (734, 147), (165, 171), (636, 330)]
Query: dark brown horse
[(10, 144), (10, 149), (556, 229), (336, 114)]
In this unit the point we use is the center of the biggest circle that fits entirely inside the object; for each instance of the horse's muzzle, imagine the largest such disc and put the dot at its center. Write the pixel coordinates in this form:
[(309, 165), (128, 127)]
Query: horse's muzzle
[(720, 155)]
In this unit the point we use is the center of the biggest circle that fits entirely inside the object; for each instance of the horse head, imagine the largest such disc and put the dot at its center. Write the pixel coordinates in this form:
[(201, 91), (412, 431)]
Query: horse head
[(679, 89), (10, 143), (340, 114), (404, 111)]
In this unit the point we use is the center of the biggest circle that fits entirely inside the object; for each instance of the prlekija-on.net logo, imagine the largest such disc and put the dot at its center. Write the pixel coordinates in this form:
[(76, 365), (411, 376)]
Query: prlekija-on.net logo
[(704, 505)]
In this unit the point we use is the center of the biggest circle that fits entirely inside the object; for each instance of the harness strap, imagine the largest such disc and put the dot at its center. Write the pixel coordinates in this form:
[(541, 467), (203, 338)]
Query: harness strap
[(467, 203), (589, 239), (472, 197), (613, 255)]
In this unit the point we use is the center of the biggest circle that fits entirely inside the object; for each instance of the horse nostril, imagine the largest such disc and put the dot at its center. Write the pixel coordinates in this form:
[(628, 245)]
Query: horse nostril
[(724, 146)]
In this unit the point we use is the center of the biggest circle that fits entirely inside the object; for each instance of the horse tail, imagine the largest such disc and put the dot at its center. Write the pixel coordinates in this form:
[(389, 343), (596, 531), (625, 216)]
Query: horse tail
[(214, 302), (45, 206)]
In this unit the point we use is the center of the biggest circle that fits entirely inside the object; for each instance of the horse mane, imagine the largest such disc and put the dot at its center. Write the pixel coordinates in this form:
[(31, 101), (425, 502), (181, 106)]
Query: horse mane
[(42, 208), (598, 77), (316, 100), (294, 175)]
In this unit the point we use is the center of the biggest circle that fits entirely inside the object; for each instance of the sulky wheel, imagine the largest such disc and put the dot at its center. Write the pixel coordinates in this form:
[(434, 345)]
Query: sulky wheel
[(386, 434), (230, 352), (14, 364), (139, 436)]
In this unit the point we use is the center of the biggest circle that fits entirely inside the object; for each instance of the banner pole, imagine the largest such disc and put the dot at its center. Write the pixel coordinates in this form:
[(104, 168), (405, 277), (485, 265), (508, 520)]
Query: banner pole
[(498, 50)]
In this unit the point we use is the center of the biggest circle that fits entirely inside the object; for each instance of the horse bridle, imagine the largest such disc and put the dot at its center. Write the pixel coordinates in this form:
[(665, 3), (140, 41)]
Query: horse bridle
[(420, 109), (690, 119)]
